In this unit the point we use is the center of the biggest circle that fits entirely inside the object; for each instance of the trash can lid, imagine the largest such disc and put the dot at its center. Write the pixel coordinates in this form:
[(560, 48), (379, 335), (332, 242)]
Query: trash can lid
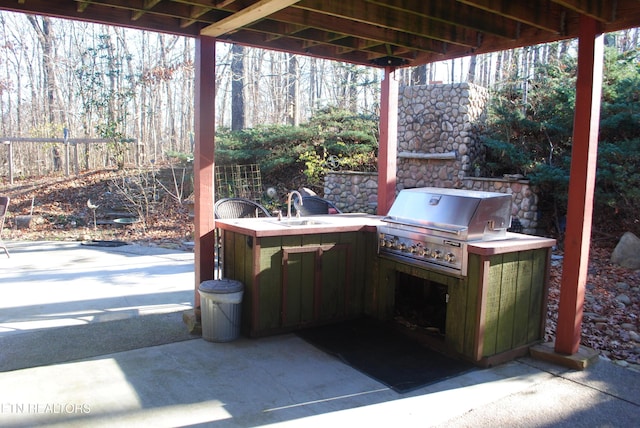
[(221, 286)]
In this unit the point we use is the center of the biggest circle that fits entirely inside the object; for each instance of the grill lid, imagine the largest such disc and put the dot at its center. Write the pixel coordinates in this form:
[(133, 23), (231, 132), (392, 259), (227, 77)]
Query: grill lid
[(466, 214)]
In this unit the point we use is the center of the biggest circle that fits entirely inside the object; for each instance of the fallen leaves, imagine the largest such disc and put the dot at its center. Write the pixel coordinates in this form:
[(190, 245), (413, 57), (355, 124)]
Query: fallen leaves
[(609, 324), (61, 207)]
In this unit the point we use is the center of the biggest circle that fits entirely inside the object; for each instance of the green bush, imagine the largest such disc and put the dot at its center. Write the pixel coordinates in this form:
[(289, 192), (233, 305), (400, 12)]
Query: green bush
[(535, 138), (332, 139)]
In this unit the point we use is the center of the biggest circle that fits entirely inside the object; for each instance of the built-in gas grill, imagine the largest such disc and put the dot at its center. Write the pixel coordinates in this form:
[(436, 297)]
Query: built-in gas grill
[(431, 227)]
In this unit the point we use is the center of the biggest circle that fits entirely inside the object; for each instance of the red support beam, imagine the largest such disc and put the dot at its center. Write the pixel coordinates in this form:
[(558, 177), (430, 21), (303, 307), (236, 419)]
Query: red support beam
[(205, 71), (582, 180), (388, 145)]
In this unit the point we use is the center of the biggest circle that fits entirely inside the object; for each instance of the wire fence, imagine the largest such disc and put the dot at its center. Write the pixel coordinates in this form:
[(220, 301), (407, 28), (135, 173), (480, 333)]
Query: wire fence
[(238, 181)]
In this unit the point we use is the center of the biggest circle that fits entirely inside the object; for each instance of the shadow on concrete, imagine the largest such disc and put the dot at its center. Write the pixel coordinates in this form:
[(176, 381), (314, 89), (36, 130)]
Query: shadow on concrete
[(144, 371)]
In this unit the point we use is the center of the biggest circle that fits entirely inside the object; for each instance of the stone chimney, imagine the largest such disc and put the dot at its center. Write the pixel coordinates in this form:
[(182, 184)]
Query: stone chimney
[(438, 133)]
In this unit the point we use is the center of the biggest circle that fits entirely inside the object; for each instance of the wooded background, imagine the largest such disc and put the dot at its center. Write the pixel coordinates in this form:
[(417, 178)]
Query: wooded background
[(114, 83)]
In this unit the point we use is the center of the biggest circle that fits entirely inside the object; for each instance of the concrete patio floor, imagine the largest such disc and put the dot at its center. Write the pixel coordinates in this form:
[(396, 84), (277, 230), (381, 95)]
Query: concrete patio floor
[(276, 381)]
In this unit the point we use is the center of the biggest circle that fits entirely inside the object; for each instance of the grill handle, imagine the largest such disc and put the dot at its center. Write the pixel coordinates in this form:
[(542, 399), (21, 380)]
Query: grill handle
[(431, 226)]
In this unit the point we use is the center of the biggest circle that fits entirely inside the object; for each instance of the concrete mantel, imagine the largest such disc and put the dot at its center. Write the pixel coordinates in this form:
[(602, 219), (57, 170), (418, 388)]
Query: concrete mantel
[(428, 156)]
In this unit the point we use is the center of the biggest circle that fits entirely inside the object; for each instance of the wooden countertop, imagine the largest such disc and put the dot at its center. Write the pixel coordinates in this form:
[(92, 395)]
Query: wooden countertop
[(512, 243), (340, 223), (334, 223)]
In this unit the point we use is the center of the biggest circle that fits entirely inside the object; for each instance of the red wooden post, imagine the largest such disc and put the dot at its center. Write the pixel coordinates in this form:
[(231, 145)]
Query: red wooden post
[(205, 67), (388, 146), (581, 186)]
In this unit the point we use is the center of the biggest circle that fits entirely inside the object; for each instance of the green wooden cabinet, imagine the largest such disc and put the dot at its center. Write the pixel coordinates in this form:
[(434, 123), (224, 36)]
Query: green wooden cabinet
[(513, 301), (301, 280), (493, 314)]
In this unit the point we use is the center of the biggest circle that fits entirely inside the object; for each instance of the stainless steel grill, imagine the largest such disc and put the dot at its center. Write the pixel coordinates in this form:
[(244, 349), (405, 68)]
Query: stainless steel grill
[(430, 227)]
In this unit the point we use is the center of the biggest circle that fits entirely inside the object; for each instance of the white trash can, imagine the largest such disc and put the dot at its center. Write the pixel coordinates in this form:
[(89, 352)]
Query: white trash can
[(221, 305)]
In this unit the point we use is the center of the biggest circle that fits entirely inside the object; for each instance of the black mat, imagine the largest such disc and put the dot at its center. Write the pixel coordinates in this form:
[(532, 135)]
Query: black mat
[(384, 354)]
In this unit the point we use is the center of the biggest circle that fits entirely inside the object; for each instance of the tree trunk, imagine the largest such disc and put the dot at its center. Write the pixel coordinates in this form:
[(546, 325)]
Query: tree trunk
[(187, 94), (42, 26), (237, 88), (313, 78), (452, 64), (44, 31), (419, 75), (353, 89), (499, 65), (471, 75), (294, 91)]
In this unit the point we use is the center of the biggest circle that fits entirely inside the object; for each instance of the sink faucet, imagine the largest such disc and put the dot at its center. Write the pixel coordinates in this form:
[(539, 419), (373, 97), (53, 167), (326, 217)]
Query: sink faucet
[(289, 203)]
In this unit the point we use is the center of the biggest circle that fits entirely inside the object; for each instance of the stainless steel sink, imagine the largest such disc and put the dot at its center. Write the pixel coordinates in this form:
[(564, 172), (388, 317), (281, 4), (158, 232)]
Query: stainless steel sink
[(296, 222)]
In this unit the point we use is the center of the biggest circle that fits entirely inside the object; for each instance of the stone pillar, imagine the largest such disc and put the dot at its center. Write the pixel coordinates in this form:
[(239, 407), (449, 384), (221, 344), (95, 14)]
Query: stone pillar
[(438, 138)]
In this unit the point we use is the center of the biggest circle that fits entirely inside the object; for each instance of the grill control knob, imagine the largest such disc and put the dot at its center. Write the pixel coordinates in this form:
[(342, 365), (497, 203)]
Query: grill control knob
[(436, 254), (450, 258)]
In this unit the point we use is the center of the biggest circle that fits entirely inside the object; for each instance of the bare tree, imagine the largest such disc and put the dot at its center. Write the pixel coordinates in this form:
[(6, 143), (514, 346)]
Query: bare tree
[(237, 87), (54, 111), (471, 75), (293, 95), (419, 75)]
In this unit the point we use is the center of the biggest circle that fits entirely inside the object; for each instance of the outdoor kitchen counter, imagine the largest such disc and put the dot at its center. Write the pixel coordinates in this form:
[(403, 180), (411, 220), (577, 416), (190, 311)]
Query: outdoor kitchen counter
[(512, 243), (299, 272), (331, 223)]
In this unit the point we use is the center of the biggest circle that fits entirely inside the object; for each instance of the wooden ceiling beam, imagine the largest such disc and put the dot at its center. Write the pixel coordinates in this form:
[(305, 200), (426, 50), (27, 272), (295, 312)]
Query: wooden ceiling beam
[(148, 5), (250, 38), (372, 32), (310, 37), (454, 13), (211, 4), (386, 51), (285, 44), (544, 14), (162, 8), (194, 15), (246, 16), (357, 29), (600, 10), (219, 4), (346, 45), (107, 12), (82, 6), (385, 17), (275, 30), (279, 29)]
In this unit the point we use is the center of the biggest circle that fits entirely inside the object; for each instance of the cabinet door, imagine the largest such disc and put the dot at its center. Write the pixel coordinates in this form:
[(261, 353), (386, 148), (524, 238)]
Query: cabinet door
[(315, 283)]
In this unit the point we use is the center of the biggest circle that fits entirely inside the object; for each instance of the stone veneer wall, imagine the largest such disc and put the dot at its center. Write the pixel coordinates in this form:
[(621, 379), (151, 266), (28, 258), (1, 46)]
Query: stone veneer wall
[(438, 143), (438, 133), (352, 192), (358, 192), (524, 198)]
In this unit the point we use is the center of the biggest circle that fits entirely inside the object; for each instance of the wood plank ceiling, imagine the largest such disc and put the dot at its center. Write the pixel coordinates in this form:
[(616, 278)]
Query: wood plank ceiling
[(368, 32)]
